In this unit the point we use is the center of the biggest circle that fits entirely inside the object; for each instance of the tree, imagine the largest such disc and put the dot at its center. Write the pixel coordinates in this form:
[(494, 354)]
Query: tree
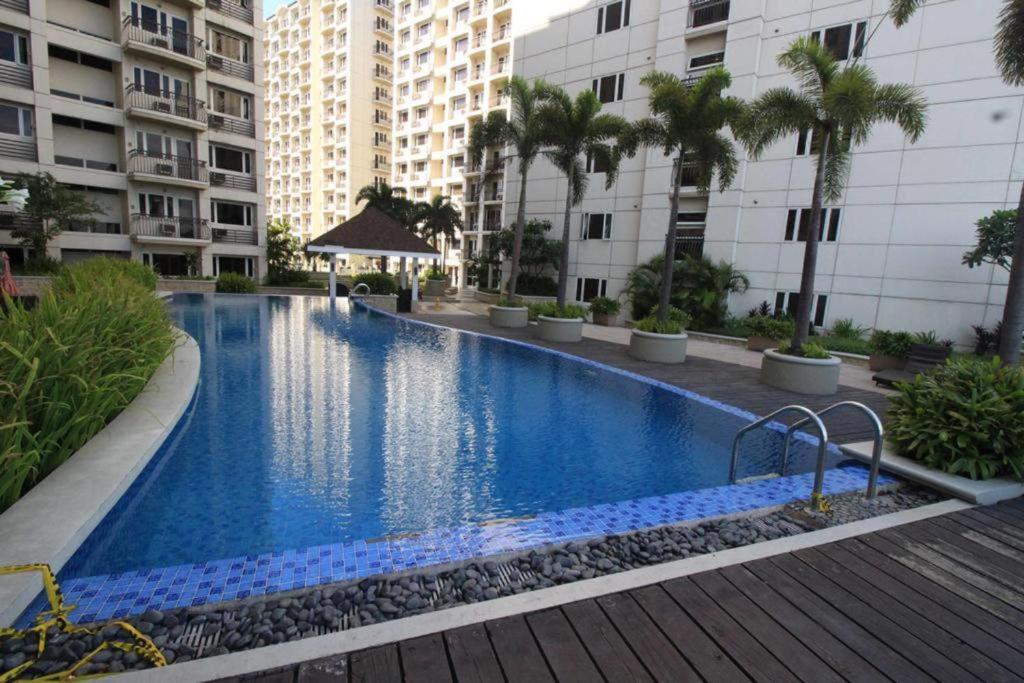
[(838, 106), (1009, 49), (54, 207), (283, 247), (393, 202), (537, 251), (485, 133), (995, 240), (700, 287), (577, 129), (438, 218), (687, 122)]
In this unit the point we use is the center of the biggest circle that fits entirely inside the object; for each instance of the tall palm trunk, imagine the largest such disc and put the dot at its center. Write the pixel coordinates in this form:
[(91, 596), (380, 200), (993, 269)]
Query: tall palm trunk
[(1013, 313), (517, 240), (665, 296), (563, 267), (806, 302)]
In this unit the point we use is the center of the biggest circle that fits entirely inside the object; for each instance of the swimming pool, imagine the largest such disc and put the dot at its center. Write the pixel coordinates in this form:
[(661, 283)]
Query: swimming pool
[(332, 443)]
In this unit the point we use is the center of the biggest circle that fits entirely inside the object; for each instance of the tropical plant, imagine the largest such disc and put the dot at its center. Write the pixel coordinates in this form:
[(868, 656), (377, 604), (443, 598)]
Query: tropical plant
[(926, 337), (839, 106), (435, 274), (861, 347), (72, 363), (771, 328), (985, 339), (576, 130), (673, 322), (379, 283), (814, 350), (485, 133), (995, 240), (438, 218), (283, 248), (686, 123), (700, 287), (537, 252), (390, 200), (52, 208), (602, 305), (551, 309), (965, 417), (846, 328), (536, 285), (235, 283), (510, 303), (891, 343), (763, 309)]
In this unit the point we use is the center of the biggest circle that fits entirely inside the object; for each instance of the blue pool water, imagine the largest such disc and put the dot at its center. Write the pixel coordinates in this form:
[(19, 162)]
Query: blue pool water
[(314, 426)]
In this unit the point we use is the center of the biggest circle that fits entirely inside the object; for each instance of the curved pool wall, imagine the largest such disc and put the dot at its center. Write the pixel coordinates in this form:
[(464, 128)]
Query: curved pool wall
[(327, 444)]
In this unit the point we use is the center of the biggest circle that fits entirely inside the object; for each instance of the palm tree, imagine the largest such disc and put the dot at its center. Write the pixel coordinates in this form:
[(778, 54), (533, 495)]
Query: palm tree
[(839, 106), (1009, 44), (524, 133), (485, 133), (390, 200), (575, 129), (437, 218), (687, 122)]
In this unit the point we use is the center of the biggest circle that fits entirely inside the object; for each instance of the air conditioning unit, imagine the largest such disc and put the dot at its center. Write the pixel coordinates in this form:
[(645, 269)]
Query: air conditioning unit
[(168, 229), (216, 121), (165, 169), (215, 61), (162, 106), (158, 42), (217, 178), (219, 233)]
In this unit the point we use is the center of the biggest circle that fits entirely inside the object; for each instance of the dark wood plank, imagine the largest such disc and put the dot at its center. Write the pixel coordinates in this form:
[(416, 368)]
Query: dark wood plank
[(517, 651), (471, 655), (710, 600), (993, 517), (829, 649), (563, 650), (1014, 506), (425, 659), (985, 535), (279, 676), (879, 652), (651, 646), (974, 555), (604, 644), (697, 647), (326, 670), (377, 665), (931, 622)]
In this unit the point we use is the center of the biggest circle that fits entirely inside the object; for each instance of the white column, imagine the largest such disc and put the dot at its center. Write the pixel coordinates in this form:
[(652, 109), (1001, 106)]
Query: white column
[(402, 279), (415, 284), (332, 277)]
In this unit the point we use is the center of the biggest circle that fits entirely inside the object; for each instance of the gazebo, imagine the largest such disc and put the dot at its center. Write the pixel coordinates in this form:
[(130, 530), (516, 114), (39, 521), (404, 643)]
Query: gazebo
[(373, 233)]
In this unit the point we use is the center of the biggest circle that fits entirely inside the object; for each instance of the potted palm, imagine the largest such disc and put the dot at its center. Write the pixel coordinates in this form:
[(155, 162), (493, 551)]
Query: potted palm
[(660, 341), (838, 105), (435, 283), (507, 313), (604, 311), (889, 350), (686, 121), (558, 323), (766, 332)]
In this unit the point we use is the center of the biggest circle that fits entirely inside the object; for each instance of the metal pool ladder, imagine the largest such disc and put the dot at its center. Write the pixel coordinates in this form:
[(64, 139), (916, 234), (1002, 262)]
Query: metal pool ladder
[(815, 418)]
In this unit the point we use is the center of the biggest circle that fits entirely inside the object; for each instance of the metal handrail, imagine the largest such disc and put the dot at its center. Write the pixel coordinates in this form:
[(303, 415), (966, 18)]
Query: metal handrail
[(819, 471), (876, 453), (355, 290)]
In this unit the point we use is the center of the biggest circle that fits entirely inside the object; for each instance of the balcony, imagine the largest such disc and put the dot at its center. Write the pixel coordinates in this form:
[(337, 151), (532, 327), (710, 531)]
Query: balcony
[(168, 229), (499, 68), (707, 12), (166, 169), (233, 236), (232, 8), (235, 181), (230, 67), (165, 106), (18, 149), (381, 74), (16, 74), (18, 221), (504, 32), (230, 124), (688, 174), (156, 40)]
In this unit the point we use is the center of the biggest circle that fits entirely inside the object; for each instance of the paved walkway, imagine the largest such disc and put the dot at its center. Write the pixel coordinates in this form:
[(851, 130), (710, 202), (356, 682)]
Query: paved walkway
[(939, 599)]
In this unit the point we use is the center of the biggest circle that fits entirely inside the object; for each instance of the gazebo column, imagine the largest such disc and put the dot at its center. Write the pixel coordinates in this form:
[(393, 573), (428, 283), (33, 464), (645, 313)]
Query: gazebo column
[(402, 279), (332, 277), (415, 283)]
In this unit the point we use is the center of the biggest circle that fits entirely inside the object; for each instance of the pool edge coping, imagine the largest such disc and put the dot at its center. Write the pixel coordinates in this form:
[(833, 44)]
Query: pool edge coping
[(53, 519), (343, 642)]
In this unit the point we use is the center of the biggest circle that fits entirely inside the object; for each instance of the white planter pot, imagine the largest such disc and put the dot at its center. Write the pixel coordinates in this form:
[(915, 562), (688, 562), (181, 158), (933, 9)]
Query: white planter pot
[(559, 329), (509, 316), (432, 288), (818, 376), (658, 348)]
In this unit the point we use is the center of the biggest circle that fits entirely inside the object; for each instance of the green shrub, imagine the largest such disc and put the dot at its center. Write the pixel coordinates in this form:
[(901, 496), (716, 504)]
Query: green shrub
[(550, 309), (379, 283), (845, 328), (536, 285), (891, 343), (39, 265), (676, 323), (233, 283), (289, 278), (71, 364), (964, 417), (812, 350), (772, 328), (602, 305), (436, 274), (928, 337), (102, 267), (844, 345), (505, 303)]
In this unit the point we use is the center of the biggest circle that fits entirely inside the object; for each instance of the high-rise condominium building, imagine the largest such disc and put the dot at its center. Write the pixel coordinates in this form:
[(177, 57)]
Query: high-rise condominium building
[(153, 110), (328, 102), (891, 246), (452, 64)]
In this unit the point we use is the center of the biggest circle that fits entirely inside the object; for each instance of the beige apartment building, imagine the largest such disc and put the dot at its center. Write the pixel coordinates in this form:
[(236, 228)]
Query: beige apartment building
[(328, 105), (153, 108)]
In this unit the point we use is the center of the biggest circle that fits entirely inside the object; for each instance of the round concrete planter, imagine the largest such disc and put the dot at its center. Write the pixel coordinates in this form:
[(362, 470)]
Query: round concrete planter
[(606, 319), (800, 375), (657, 348), (433, 288), (880, 361), (559, 329), (509, 316), (757, 343)]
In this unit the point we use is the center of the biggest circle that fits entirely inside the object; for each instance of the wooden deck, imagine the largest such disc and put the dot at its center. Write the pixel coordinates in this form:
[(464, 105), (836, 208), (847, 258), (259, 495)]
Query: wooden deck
[(737, 385), (940, 599)]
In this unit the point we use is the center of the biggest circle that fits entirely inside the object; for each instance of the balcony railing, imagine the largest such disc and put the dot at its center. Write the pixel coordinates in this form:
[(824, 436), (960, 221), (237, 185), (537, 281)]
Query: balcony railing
[(172, 227), (16, 5), (16, 74), (157, 35), (233, 236), (689, 242), (232, 125), (18, 221), (232, 8), (18, 149), (704, 12), (230, 67), (166, 102), (236, 181), (95, 227), (688, 175), (170, 165)]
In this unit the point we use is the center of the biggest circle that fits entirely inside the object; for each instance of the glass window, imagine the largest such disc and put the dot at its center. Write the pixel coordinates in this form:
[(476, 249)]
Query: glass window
[(613, 16), (597, 226), (589, 287), (230, 159), (609, 88), (13, 47), (230, 213), (15, 120)]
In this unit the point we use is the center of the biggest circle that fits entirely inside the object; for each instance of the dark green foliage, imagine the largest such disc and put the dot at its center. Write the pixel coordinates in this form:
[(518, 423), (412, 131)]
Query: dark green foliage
[(39, 265), (675, 322), (538, 253), (860, 347), (550, 309), (891, 343), (995, 240), (772, 328), (986, 339), (54, 206), (700, 287), (536, 285), (964, 417), (379, 283), (846, 328), (233, 283), (602, 305), (435, 274)]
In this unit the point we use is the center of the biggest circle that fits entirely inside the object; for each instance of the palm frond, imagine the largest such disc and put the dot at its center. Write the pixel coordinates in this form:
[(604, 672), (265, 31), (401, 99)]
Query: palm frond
[(837, 165), (1010, 42), (903, 105), (850, 100), (811, 62), (778, 112), (902, 10)]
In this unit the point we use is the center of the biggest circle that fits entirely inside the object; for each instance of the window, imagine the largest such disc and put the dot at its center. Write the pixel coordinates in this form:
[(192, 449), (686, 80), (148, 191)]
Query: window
[(230, 159), (802, 146), (15, 120), (227, 45), (230, 103), (423, 57), (13, 47), (838, 39), (799, 220), (690, 234), (589, 287), (231, 213), (613, 16), (706, 60), (789, 301), (609, 88), (243, 265), (596, 226), (597, 164)]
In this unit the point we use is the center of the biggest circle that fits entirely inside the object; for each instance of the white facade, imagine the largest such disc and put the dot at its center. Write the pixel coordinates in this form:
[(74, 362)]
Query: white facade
[(893, 260), (153, 109)]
